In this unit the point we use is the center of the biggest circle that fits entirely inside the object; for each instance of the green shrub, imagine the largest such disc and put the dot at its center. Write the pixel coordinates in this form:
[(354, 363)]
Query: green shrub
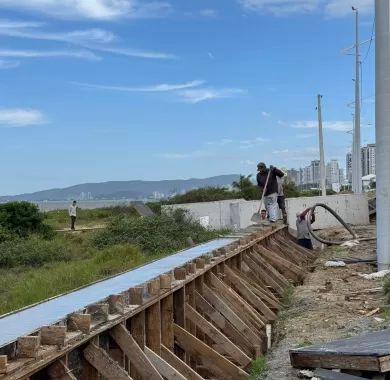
[(258, 367), (21, 218), (159, 234), (206, 194), (6, 235)]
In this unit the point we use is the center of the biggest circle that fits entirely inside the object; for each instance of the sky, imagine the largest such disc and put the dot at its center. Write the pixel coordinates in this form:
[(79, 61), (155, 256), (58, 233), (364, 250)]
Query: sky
[(99, 90)]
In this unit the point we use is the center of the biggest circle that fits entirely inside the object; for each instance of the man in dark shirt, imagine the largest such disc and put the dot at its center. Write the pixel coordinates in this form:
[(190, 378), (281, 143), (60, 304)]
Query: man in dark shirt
[(271, 191)]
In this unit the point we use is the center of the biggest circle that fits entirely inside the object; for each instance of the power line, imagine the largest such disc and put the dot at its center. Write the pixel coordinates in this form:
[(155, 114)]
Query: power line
[(372, 37)]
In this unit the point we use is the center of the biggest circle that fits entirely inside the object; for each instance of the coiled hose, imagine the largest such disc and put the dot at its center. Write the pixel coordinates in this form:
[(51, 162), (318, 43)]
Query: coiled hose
[(337, 216)]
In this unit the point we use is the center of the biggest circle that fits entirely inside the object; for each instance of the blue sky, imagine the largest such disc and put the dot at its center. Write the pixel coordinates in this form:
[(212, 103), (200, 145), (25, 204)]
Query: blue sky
[(97, 90)]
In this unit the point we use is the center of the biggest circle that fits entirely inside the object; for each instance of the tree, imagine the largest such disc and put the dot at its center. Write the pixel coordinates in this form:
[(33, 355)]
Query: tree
[(246, 188), (21, 218)]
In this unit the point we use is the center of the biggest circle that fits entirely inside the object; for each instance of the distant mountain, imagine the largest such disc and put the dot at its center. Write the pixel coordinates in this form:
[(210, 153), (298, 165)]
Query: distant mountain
[(123, 189)]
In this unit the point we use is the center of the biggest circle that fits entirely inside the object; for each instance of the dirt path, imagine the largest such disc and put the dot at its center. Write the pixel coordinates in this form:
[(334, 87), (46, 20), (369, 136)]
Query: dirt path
[(324, 308)]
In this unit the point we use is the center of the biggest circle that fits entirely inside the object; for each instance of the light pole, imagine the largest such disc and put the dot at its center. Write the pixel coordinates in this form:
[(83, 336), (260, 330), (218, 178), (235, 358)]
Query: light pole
[(321, 142)]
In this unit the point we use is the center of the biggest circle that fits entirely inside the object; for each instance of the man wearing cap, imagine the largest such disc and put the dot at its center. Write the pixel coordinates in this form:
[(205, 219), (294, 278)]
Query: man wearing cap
[(303, 234), (271, 191)]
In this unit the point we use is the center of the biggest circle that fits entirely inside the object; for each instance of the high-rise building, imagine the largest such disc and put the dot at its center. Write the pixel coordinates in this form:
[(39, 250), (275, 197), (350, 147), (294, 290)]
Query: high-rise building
[(341, 176), (316, 171), (348, 166), (368, 159), (294, 176), (332, 172)]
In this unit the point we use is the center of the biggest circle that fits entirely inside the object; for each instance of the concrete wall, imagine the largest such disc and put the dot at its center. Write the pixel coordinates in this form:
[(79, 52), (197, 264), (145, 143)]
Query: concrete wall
[(237, 213), (353, 209)]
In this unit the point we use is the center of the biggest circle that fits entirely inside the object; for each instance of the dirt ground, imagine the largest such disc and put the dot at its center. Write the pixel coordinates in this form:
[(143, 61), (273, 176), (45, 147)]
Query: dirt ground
[(324, 307)]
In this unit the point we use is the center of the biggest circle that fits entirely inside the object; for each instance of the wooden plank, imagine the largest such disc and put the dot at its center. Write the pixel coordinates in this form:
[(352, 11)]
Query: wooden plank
[(3, 364), (224, 324), (59, 371), (325, 374), (134, 352), (179, 315), (240, 306), (167, 338), (179, 365), (249, 296), (334, 361), (153, 327), (136, 295), (231, 316), (137, 330), (226, 346), (107, 367), (217, 364), (165, 281), (165, 369)]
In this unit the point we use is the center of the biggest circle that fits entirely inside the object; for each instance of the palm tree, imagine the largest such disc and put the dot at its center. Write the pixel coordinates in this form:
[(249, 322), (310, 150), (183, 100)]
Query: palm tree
[(243, 183)]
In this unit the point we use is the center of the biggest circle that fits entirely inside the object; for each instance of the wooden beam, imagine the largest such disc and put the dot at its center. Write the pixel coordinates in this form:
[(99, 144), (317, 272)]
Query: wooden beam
[(165, 369), (217, 363), (231, 316), (53, 335), (136, 295), (59, 371), (153, 327), (248, 295), (224, 324), (27, 346), (179, 315), (226, 346), (3, 364), (107, 367), (179, 365), (137, 330), (240, 306), (167, 338), (134, 352)]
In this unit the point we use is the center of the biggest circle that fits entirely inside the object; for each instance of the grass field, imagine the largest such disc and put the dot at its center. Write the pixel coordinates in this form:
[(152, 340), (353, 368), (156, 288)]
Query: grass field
[(35, 268)]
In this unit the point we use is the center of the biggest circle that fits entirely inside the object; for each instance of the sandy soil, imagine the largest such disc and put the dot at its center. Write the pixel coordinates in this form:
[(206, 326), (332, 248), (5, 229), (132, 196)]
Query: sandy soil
[(324, 307)]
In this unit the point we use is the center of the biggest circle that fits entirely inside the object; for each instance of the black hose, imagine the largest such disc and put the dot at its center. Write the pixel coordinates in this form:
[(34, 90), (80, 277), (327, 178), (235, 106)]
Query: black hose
[(337, 216)]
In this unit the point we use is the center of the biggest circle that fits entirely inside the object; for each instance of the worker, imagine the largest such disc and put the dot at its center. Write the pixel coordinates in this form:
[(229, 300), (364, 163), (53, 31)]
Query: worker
[(303, 234), (271, 190), (73, 213), (282, 199)]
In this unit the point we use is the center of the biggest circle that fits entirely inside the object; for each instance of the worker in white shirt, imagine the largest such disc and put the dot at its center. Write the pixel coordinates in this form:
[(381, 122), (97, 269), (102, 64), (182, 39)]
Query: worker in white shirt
[(73, 214)]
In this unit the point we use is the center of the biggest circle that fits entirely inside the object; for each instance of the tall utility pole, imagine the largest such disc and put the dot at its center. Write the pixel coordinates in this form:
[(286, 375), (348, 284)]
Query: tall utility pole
[(356, 150), (321, 142), (382, 129)]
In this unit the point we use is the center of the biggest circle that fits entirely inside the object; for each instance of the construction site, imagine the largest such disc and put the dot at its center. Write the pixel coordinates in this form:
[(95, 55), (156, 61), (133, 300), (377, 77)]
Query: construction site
[(303, 296)]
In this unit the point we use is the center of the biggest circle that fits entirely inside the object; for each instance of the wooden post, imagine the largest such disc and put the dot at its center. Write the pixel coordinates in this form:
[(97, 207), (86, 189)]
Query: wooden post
[(28, 346), (179, 315), (180, 273), (137, 330), (53, 335), (116, 304), (99, 311), (136, 296), (165, 281), (167, 338), (80, 322), (154, 287), (3, 364), (153, 327)]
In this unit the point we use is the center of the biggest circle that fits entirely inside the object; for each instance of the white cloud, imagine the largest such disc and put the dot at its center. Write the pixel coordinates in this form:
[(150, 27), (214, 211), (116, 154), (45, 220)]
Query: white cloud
[(91, 9), (76, 37), (194, 96), (208, 12), (332, 8), (221, 142), (247, 162), (7, 64), (339, 8), (164, 87), (340, 126), (81, 54), (309, 153), (211, 55), (265, 114), (9, 24), (18, 117), (132, 52), (281, 7)]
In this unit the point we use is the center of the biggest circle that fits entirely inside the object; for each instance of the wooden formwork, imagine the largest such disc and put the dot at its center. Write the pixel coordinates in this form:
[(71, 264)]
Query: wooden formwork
[(206, 320)]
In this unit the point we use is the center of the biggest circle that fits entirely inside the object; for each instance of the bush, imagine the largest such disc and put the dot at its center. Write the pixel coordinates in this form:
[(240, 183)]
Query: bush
[(6, 235), (206, 194), (21, 218), (159, 234)]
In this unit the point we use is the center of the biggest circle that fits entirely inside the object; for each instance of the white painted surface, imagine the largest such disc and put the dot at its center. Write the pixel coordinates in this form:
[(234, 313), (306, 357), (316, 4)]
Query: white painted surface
[(237, 213)]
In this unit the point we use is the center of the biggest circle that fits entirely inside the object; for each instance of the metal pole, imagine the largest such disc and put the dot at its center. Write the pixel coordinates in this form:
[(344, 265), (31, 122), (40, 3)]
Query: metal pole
[(357, 173), (382, 126), (321, 142)]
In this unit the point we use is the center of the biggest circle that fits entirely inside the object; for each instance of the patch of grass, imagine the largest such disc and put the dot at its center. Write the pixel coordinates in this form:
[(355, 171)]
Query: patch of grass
[(258, 367), (21, 287), (287, 297), (386, 315), (87, 217)]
